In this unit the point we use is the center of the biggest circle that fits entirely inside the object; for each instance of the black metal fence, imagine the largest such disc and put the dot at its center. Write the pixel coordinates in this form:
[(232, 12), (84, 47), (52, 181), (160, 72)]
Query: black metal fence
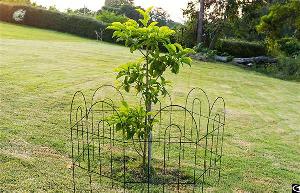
[(186, 146)]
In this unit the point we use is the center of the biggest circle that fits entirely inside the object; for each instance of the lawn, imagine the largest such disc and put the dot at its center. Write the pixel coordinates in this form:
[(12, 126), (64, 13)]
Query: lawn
[(40, 71)]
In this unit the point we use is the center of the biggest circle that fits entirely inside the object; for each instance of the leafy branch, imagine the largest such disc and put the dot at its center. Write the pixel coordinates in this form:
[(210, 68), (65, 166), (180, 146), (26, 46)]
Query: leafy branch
[(146, 74)]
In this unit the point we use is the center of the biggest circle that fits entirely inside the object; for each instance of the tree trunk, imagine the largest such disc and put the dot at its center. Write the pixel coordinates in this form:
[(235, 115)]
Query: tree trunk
[(200, 22), (145, 153), (213, 42), (149, 143), (148, 104), (214, 39)]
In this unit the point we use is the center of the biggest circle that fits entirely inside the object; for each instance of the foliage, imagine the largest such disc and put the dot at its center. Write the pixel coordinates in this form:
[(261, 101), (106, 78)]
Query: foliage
[(219, 16), (110, 17), (226, 19), (245, 26), (240, 48), (281, 21), (208, 53), (53, 8), (146, 74), (26, 2), (34, 4), (131, 121), (84, 11), (81, 11), (118, 2), (290, 46), (160, 15), (128, 10), (186, 34), (286, 68), (41, 18), (290, 67)]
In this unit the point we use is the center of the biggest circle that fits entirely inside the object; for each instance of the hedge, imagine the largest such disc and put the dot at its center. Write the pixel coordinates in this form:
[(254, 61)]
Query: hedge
[(240, 48), (41, 18)]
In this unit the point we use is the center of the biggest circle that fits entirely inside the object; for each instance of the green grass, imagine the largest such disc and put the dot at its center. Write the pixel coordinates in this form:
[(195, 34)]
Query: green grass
[(40, 71)]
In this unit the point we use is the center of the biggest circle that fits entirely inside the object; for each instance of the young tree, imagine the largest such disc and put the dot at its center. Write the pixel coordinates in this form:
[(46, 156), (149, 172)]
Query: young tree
[(146, 75)]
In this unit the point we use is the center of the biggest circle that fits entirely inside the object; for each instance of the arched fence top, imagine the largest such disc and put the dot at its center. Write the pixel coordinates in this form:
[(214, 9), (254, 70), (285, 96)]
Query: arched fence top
[(221, 101), (185, 157), (195, 89), (82, 97), (121, 97)]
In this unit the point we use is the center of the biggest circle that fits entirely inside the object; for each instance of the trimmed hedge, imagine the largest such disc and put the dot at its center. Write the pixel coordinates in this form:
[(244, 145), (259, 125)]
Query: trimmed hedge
[(41, 18), (239, 48)]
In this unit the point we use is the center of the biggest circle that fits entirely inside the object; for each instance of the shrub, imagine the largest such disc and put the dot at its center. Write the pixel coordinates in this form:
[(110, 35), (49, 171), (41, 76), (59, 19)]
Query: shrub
[(41, 18), (239, 48), (290, 46), (207, 53), (286, 68)]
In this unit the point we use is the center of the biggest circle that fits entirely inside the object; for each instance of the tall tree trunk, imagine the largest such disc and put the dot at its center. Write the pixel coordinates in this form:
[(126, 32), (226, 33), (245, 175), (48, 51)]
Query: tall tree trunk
[(200, 22)]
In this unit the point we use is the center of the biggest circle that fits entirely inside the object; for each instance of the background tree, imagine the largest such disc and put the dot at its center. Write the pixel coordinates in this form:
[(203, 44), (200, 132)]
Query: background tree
[(200, 22), (282, 20), (118, 2), (245, 26), (128, 10), (281, 26), (109, 17), (34, 4), (84, 11), (207, 20), (160, 15), (27, 2), (53, 8), (216, 19), (69, 11)]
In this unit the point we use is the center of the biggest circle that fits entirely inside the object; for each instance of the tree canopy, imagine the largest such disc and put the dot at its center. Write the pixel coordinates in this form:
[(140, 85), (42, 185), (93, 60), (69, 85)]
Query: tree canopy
[(16, 1), (281, 21)]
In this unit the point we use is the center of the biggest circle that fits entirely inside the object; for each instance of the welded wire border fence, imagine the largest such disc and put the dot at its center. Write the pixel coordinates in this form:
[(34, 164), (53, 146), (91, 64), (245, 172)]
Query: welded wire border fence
[(88, 141)]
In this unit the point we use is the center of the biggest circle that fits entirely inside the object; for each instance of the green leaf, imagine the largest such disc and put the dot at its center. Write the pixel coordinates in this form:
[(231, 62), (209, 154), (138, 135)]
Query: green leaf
[(125, 104), (187, 60), (178, 46), (154, 23), (126, 88)]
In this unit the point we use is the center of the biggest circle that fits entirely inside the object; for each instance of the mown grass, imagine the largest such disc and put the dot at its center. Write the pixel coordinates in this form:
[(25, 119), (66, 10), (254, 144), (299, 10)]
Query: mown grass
[(40, 71)]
